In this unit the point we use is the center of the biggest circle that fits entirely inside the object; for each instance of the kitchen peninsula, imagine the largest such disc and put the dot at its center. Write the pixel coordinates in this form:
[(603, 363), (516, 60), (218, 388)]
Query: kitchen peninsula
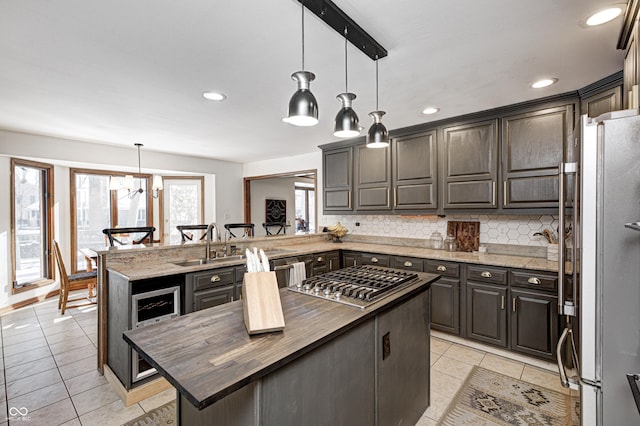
[(333, 363)]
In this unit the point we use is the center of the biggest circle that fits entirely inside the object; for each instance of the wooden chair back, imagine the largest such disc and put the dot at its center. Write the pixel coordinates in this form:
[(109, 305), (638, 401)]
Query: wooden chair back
[(187, 236), (147, 236), (248, 229), (65, 285), (278, 227)]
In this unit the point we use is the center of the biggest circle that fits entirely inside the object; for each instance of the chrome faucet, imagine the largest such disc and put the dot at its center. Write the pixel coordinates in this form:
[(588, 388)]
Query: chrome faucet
[(208, 240)]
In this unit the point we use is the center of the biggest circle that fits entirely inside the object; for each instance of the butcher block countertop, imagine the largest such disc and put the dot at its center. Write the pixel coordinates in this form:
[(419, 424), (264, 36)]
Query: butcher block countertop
[(207, 355), (138, 270)]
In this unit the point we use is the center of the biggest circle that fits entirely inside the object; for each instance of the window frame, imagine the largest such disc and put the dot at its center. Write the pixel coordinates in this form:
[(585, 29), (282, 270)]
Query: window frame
[(48, 197), (113, 210)]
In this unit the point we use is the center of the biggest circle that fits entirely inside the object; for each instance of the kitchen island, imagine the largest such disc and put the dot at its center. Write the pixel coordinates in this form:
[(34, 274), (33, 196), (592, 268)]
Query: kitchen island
[(333, 363)]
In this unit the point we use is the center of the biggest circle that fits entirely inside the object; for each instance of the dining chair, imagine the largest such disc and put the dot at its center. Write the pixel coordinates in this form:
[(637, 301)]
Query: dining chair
[(187, 236), (65, 283), (147, 236), (278, 227), (248, 229)]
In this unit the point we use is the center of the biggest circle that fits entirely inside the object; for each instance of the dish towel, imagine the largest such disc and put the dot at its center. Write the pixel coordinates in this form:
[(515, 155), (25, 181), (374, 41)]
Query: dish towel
[(297, 274)]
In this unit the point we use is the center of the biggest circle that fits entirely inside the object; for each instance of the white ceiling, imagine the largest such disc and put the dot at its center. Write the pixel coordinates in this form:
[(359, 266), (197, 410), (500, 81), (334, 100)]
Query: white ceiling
[(122, 71)]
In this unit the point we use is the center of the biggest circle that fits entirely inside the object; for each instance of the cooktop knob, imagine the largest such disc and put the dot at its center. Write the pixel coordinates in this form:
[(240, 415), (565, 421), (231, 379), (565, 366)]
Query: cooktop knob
[(307, 287), (337, 295), (317, 290), (327, 292)]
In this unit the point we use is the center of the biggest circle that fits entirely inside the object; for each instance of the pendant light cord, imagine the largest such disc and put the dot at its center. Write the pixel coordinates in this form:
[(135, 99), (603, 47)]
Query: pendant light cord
[(302, 3), (376, 82), (346, 63)]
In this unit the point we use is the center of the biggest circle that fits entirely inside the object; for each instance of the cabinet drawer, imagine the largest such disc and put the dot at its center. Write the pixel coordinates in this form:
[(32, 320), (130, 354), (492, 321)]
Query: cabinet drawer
[(446, 269), (534, 280), (375, 259), (212, 297), (487, 274), (213, 278), (408, 263)]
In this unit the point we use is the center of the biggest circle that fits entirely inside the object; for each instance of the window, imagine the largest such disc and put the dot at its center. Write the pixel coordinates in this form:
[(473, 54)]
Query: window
[(182, 204), (95, 207), (31, 211), (305, 207)]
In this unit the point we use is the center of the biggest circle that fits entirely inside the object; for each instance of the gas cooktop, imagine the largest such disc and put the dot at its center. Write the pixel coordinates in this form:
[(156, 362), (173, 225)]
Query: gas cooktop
[(356, 285)]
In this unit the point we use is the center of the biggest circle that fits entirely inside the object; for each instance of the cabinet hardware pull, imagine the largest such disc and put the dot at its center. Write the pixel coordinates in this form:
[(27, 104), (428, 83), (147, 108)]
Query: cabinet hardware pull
[(534, 280), (504, 193), (493, 199), (486, 274), (331, 264), (215, 278), (502, 302), (441, 268), (349, 195), (320, 259), (395, 196), (513, 304), (374, 260), (408, 264)]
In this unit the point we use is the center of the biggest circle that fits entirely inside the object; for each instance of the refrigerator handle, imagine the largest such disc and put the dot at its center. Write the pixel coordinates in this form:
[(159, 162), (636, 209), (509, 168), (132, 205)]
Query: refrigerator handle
[(564, 380), (633, 382), (564, 307)]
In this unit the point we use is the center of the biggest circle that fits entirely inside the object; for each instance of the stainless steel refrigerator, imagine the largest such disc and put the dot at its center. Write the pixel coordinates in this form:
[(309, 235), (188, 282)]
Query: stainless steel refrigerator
[(599, 269)]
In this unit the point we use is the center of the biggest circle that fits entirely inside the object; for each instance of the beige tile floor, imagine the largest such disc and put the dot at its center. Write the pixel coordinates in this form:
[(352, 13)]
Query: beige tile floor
[(48, 365)]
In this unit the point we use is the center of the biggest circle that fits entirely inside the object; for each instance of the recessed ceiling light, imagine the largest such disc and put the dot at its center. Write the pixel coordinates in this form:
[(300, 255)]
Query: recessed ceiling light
[(430, 110), (604, 16), (214, 96), (544, 83)]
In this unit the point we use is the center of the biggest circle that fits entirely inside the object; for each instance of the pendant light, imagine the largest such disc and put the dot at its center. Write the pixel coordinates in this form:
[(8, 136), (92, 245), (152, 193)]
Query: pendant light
[(378, 136), (303, 107), (346, 123)]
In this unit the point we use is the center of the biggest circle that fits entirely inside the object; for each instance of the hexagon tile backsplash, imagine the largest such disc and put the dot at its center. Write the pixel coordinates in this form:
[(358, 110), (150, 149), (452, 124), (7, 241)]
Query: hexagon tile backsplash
[(494, 229)]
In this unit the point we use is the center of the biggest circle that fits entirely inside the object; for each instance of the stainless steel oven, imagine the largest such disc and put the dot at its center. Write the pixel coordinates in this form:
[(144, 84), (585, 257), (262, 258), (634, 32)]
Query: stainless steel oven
[(149, 308)]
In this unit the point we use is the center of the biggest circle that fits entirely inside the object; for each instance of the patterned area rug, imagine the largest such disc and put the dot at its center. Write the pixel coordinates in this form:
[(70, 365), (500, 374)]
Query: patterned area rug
[(163, 415), (489, 398)]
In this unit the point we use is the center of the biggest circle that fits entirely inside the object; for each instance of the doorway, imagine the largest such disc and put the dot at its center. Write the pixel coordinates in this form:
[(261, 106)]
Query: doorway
[(294, 192)]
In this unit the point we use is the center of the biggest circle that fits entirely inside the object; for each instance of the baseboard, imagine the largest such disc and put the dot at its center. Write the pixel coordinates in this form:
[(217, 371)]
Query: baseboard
[(28, 302), (138, 393)]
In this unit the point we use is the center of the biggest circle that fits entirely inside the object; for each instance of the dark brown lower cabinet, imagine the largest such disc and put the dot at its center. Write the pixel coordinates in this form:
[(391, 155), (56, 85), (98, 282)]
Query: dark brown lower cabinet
[(212, 297), (534, 323), (445, 305), (486, 313)]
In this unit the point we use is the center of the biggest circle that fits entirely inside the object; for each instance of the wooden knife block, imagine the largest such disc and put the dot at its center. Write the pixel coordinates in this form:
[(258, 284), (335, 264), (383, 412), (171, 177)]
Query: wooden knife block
[(261, 303)]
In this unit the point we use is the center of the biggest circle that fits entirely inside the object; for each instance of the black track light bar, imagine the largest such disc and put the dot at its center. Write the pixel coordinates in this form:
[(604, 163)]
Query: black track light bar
[(333, 16)]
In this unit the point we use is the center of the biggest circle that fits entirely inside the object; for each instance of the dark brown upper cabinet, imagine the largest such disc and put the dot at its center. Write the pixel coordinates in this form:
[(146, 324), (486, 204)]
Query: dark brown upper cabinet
[(337, 179), (601, 103), (415, 172), (533, 145), (470, 158), (372, 178)]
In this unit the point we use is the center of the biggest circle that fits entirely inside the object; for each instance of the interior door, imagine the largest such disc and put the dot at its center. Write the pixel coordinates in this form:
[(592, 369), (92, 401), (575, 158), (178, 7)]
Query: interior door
[(182, 204)]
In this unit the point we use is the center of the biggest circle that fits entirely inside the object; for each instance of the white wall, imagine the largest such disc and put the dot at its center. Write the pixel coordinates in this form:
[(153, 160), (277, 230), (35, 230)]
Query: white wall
[(223, 186)]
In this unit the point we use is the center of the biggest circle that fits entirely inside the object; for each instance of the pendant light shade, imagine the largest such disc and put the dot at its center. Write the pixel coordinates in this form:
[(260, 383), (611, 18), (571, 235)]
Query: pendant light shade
[(347, 125), (378, 136), (346, 122), (303, 107)]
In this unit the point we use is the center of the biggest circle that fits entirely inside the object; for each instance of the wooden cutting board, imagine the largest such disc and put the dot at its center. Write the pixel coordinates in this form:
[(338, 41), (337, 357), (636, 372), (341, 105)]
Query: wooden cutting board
[(467, 234)]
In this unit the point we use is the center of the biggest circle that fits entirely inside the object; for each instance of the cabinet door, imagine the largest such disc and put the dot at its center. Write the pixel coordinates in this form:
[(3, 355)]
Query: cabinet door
[(601, 103), (337, 177), (470, 158), (373, 178), (486, 313), (334, 261), (534, 323), (415, 171), (445, 305), (212, 297), (533, 145), (350, 259)]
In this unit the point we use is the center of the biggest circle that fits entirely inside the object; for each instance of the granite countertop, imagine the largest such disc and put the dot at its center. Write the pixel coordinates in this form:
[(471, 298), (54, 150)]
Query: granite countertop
[(211, 355), (150, 269)]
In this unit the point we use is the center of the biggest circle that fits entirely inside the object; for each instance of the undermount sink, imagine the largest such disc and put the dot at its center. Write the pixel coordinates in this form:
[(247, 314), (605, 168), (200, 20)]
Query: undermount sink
[(197, 262)]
